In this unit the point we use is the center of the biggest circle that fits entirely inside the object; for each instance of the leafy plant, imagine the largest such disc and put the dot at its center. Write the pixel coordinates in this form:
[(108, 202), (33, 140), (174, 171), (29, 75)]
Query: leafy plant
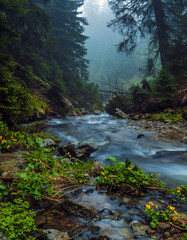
[(156, 216), (180, 191), (3, 190), (16, 221), (125, 176), (77, 170), (33, 184)]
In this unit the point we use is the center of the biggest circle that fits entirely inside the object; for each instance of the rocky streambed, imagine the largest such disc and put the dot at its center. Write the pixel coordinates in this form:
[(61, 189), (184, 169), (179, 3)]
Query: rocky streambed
[(166, 129)]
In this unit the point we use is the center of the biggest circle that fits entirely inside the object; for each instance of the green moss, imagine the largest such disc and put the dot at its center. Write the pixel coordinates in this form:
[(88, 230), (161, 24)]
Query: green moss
[(176, 117)]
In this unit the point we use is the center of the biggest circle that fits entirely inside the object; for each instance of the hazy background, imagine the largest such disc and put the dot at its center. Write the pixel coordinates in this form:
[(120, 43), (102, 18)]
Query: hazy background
[(105, 63)]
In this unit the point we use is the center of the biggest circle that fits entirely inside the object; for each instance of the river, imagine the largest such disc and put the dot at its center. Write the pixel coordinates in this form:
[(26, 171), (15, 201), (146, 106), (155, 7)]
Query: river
[(116, 139)]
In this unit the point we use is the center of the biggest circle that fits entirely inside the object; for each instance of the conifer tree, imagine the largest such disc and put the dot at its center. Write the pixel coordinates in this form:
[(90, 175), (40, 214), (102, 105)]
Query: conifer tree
[(148, 18)]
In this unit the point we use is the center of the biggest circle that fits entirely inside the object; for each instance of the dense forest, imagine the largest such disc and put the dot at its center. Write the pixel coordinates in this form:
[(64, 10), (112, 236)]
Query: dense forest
[(42, 55)]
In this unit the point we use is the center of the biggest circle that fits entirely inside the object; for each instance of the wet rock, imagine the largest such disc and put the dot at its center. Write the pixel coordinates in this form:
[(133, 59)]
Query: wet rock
[(47, 143), (80, 150), (11, 162), (121, 114), (53, 234), (140, 135), (167, 234), (2, 237), (162, 227), (96, 168), (140, 228)]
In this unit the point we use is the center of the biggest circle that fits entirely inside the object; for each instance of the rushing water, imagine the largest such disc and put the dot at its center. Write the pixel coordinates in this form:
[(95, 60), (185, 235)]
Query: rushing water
[(116, 139)]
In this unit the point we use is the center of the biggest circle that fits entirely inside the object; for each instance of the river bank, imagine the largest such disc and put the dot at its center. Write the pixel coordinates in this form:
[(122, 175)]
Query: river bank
[(50, 181), (167, 129)]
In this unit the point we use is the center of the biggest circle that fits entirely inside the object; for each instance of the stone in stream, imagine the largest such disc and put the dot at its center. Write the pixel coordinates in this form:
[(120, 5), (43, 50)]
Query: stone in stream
[(81, 150), (140, 135)]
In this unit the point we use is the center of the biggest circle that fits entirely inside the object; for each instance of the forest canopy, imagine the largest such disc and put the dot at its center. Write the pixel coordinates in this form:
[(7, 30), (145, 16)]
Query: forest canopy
[(42, 47)]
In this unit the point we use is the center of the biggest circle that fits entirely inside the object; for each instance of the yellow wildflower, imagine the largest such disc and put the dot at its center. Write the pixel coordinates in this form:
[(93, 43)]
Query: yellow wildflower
[(12, 137), (70, 156), (159, 174), (179, 191), (53, 148), (36, 159), (170, 207), (151, 203), (156, 206), (15, 140), (8, 146), (103, 173), (148, 206), (1, 137), (105, 177), (175, 213), (174, 219), (129, 168)]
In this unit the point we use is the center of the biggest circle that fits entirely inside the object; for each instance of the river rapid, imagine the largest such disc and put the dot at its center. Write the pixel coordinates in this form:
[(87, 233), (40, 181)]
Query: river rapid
[(122, 218), (116, 139)]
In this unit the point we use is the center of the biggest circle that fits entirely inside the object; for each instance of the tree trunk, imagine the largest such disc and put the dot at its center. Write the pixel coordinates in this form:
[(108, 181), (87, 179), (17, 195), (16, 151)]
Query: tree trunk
[(161, 31)]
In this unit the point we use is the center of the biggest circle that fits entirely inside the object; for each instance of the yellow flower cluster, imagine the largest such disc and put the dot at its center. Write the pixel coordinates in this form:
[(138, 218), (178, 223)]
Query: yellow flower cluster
[(148, 206), (69, 154), (173, 209), (179, 189), (104, 175)]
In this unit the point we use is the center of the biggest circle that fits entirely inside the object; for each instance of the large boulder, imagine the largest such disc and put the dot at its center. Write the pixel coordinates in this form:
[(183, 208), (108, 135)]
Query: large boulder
[(80, 150)]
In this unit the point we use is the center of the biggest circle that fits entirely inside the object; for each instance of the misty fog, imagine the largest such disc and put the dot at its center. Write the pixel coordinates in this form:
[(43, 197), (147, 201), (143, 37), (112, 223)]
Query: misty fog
[(106, 64)]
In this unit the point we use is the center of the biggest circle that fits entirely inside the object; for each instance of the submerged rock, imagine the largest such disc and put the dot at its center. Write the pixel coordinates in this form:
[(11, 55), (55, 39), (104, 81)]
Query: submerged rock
[(80, 150), (140, 135)]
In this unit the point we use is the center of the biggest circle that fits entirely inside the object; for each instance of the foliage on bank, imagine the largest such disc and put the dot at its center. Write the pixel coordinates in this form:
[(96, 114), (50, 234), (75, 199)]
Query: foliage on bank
[(150, 96), (44, 171)]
